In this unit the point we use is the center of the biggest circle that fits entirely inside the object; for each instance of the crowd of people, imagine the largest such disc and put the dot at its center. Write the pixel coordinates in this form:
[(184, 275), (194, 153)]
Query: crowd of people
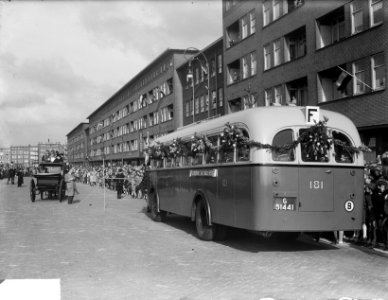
[(13, 174), (130, 180), (375, 221), (127, 180)]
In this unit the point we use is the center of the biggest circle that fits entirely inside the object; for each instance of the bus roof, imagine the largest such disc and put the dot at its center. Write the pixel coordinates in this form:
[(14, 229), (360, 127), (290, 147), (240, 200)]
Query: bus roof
[(263, 122)]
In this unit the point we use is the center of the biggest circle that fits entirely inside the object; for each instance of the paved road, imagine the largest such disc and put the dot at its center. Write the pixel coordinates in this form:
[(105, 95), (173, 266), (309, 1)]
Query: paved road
[(118, 252)]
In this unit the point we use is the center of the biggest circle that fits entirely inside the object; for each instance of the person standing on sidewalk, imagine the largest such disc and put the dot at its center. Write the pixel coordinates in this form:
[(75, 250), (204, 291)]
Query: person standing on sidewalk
[(69, 186), (120, 183)]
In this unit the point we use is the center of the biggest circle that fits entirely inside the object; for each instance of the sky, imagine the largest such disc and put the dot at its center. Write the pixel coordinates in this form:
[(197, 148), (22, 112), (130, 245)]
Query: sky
[(60, 60)]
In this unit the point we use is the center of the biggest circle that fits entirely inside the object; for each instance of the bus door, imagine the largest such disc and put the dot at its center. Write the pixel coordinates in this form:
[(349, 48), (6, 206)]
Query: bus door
[(316, 188)]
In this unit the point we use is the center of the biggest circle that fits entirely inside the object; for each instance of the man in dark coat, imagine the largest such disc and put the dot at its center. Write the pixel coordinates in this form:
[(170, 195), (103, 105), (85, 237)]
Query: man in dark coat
[(120, 183), (20, 177)]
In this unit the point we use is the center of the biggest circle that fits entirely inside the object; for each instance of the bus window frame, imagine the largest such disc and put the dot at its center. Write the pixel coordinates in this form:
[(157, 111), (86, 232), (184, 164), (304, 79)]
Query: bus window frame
[(166, 162), (298, 150), (332, 160)]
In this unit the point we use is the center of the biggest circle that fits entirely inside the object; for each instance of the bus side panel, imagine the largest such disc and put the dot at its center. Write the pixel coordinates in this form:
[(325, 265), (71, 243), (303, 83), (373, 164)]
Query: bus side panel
[(201, 184), (262, 194), (349, 197), (171, 191), (243, 197), (223, 208)]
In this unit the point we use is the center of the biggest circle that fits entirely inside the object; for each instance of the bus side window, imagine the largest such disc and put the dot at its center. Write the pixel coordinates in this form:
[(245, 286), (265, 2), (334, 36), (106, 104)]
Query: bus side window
[(226, 155), (243, 151), (281, 138), (198, 159), (211, 155), (341, 155)]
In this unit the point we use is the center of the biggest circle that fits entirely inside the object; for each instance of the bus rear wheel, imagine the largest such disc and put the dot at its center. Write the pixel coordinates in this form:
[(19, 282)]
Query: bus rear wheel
[(205, 231)]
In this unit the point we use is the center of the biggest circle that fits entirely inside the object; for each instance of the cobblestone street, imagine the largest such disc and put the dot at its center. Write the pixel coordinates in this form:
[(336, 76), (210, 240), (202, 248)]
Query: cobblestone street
[(118, 252)]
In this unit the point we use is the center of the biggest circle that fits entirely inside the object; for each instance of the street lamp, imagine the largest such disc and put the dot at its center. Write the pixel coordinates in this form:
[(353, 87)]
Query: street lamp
[(205, 69)]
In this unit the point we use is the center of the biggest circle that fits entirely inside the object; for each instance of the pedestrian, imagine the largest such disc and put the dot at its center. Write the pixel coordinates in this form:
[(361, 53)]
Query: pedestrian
[(20, 177), (11, 173), (69, 179), (120, 182)]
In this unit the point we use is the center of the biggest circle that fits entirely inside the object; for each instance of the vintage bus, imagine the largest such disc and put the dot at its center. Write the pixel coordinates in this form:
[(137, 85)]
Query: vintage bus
[(266, 169)]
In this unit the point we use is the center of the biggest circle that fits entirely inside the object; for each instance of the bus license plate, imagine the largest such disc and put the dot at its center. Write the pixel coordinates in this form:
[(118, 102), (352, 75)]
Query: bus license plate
[(284, 204)]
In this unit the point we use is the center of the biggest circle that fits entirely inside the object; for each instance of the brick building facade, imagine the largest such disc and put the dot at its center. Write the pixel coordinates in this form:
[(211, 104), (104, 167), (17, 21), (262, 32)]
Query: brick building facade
[(202, 79), (77, 145), (326, 53), (148, 106)]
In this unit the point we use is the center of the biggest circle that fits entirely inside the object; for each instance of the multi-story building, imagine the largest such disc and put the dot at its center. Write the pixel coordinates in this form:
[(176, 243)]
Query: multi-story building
[(149, 105), (24, 156), (202, 80), (5, 156), (326, 53), (77, 145)]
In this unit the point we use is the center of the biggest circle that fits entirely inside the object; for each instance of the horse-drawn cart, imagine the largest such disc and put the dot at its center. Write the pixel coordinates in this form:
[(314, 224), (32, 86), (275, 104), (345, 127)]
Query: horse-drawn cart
[(49, 181)]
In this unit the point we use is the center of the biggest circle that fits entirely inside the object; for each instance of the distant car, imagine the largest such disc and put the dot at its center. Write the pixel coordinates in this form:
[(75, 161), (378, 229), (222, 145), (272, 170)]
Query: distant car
[(49, 180)]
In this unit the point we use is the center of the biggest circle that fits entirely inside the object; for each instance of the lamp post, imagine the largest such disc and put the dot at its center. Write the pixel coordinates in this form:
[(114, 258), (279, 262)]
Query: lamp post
[(191, 75)]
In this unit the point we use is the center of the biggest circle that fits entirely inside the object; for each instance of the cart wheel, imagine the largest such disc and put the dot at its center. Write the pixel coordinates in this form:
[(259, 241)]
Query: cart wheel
[(32, 190), (41, 195), (61, 190)]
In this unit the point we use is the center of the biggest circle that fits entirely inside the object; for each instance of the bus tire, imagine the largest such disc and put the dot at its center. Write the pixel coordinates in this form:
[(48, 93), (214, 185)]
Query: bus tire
[(205, 231), (157, 216)]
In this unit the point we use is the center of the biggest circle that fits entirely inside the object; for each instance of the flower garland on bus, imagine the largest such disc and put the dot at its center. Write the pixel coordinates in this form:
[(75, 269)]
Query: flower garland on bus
[(316, 140)]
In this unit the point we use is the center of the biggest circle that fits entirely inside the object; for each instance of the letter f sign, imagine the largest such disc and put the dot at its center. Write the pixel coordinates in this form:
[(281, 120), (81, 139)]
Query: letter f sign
[(312, 115)]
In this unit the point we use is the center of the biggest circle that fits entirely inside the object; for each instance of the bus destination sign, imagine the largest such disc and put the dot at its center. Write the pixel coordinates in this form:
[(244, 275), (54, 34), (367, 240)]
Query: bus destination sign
[(204, 173)]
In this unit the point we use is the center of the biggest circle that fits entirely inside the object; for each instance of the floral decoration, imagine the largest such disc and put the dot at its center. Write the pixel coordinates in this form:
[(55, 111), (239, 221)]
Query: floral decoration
[(316, 139)]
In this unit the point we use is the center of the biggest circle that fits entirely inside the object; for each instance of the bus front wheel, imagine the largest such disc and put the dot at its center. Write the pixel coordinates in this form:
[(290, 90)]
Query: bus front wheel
[(158, 216)]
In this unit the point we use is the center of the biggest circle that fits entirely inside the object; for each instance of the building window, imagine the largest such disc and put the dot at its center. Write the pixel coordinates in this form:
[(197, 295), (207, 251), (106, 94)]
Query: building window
[(268, 96), (334, 84), (202, 103), (267, 56), (220, 97), (276, 9), (213, 67), (252, 20), (357, 17), (376, 12), (219, 63), (378, 71), (244, 27), (196, 75), (277, 53), (331, 28), (245, 70), (267, 12), (253, 63), (359, 77), (295, 44), (296, 91), (197, 105), (278, 95), (214, 99), (233, 72)]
